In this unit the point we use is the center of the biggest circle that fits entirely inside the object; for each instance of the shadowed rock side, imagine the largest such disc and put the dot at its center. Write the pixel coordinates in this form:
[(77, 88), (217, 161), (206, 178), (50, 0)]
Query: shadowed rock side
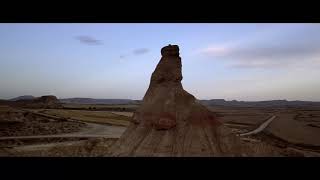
[(171, 123)]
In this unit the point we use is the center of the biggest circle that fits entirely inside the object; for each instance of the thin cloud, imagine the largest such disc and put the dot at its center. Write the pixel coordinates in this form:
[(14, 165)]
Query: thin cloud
[(257, 64), (141, 51), (277, 50), (89, 40)]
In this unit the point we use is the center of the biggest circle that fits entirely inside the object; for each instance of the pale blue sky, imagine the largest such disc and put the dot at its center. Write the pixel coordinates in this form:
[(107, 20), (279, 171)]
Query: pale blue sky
[(230, 61)]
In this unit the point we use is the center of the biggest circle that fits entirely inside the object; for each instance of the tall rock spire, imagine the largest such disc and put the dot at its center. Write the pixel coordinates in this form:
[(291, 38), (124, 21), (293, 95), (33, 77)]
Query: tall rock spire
[(170, 122)]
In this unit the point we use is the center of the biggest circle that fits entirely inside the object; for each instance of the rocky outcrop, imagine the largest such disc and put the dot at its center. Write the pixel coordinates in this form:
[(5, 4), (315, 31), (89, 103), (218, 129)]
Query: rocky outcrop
[(170, 122), (40, 102), (47, 102)]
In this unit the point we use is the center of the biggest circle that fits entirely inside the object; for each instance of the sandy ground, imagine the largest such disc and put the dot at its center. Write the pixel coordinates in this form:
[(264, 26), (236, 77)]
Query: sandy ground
[(92, 130), (286, 128), (84, 148), (103, 135), (105, 131), (296, 127), (128, 114)]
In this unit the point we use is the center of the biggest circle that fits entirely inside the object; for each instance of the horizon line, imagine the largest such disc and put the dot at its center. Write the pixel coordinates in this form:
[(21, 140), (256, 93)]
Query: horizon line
[(142, 99)]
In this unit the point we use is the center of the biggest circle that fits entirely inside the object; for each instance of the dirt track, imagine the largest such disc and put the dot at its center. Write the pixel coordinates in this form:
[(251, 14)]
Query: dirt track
[(261, 127)]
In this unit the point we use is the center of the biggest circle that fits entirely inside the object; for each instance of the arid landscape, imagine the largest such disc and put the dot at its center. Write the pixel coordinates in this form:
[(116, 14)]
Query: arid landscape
[(108, 97), (167, 122), (90, 132)]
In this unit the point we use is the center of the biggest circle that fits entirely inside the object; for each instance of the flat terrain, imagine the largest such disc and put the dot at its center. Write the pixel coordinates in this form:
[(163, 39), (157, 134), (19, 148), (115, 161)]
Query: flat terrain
[(102, 107), (128, 114), (89, 130), (33, 132), (293, 131), (101, 117), (300, 132), (80, 148), (16, 122)]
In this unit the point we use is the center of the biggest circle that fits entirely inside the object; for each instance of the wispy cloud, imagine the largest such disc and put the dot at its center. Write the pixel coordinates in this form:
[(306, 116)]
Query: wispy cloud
[(272, 51), (216, 50), (140, 51), (89, 40)]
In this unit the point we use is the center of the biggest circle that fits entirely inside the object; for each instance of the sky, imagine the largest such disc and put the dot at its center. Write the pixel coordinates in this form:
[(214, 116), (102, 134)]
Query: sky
[(249, 62)]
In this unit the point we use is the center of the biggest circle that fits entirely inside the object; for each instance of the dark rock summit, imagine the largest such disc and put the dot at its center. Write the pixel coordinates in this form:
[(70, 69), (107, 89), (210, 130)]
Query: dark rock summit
[(170, 122), (48, 101)]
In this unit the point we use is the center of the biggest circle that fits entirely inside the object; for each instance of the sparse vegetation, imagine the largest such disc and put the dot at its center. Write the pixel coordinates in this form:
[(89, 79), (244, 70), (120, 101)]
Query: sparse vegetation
[(102, 117), (15, 122)]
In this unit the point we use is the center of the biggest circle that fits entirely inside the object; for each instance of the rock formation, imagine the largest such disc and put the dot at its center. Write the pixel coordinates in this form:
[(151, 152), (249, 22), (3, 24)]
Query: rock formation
[(170, 122), (40, 102), (47, 102)]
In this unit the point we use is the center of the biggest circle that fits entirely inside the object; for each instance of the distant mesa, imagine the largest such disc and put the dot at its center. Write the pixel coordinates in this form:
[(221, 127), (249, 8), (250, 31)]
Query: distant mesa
[(171, 122), (96, 101), (264, 104), (25, 97), (48, 101)]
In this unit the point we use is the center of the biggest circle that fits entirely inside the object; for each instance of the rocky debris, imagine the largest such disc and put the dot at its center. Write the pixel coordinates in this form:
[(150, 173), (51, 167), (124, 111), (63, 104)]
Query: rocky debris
[(70, 148), (16, 123), (11, 117), (170, 122)]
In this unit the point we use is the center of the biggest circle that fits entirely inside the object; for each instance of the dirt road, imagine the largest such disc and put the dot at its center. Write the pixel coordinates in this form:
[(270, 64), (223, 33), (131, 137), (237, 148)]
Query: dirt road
[(260, 128)]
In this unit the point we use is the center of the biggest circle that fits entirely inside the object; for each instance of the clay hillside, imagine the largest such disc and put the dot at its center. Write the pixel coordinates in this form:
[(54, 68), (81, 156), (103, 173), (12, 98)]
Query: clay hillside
[(170, 122)]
